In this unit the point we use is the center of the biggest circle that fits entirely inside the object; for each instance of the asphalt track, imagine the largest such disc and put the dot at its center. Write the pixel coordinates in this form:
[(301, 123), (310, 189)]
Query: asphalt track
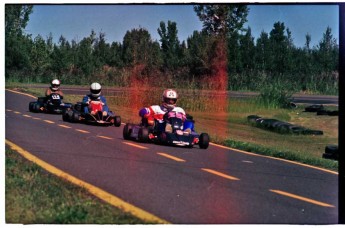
[(176, 185)]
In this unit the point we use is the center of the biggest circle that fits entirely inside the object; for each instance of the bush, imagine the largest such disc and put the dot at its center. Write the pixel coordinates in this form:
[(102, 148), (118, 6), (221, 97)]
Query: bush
[(275, 95)]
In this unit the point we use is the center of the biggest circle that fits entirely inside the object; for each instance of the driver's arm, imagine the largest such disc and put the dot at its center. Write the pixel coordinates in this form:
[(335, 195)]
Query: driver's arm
[(48, 92), (60, 93)]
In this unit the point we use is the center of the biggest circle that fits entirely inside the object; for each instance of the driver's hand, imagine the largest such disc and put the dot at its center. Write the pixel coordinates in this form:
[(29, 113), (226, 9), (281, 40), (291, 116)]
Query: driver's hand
[(105, 113)]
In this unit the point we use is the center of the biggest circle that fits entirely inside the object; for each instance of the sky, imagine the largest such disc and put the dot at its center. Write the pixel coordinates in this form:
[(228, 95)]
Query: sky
[(77, 21)]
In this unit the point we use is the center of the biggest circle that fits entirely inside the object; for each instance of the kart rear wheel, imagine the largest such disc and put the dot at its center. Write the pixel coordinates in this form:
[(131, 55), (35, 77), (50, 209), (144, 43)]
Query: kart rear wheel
[(204, 140), (127, 130), (117, 121), (143, 134)]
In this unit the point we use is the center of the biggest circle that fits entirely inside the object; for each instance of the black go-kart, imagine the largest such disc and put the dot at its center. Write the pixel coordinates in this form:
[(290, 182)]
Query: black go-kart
[(52, 104), (76, 114), (181, 134)]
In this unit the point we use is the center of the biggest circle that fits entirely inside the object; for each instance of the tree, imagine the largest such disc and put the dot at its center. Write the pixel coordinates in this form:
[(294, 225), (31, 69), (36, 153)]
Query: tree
[(101, 51), (61, 58), (263, 52), (278, 43), (115, 55), (17, 45), (170, 44), (16, 18), (85, 60), (328, 51), (139, 49), (247, 50), (39, 56), (199, 45), (222, 19)]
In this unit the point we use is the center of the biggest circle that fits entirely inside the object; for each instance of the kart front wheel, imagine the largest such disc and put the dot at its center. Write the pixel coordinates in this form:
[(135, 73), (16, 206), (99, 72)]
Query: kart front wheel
[(204, 140), (66, 116), (36, 107), (117, 121), (31, 106)]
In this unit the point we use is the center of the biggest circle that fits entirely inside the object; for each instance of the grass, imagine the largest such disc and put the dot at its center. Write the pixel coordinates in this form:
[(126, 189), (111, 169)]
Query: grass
[(34, 196)]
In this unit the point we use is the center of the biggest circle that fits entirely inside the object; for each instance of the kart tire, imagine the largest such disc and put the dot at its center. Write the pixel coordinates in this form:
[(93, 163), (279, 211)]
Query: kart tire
[(75, 117), (36, 107), (143, 134), (204, 140), (127, 130), (65, 116), (117, 121), (31, 106), (314, 108)]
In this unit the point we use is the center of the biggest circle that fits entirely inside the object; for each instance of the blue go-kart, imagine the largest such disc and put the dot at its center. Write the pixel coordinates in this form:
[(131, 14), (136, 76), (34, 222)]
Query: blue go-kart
[(180, 134)]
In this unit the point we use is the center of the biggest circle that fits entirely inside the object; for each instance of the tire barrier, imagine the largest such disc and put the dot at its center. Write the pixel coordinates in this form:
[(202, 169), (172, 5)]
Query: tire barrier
[(331, 152), (314, 108), (280, 126), (320, 110)]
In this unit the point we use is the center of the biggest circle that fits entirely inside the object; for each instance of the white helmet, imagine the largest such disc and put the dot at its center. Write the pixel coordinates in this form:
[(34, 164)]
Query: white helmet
[(95, 89), (55, 84), (169, 98)]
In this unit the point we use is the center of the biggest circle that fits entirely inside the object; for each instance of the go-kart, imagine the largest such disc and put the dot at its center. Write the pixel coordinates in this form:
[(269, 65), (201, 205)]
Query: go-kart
[(181, 134), (95, 116), (52, 104)]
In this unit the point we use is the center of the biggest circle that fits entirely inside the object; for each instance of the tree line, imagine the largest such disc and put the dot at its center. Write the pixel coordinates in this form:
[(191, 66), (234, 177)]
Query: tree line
[(249, 64)]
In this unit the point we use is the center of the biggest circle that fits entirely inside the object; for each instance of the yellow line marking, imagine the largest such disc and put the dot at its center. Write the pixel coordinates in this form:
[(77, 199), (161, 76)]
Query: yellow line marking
[(104, 137), (82, 131), (220, 174), (36, 118), (29, 95), (135, 145), (103, 195), (279, 159), (16, 112), (27, 116), (64, 126), (172, 157), (9, 110), (48, 121), (301, 198)]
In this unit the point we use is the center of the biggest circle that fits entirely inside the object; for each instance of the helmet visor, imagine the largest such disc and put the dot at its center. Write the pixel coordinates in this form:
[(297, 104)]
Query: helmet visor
[(95, 91), (170, 100)]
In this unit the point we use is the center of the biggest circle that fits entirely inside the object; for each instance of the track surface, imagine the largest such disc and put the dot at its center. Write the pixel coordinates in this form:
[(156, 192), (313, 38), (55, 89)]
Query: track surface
[(182, 186)]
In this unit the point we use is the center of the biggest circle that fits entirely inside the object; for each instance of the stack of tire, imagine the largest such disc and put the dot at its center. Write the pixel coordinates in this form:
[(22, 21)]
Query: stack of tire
[(280, 126), (320, 110), (331, 152)]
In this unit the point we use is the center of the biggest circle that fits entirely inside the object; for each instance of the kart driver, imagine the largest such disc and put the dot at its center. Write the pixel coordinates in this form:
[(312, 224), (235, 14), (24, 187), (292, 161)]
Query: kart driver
[(149, 114), (54, 88), (95, 95)]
